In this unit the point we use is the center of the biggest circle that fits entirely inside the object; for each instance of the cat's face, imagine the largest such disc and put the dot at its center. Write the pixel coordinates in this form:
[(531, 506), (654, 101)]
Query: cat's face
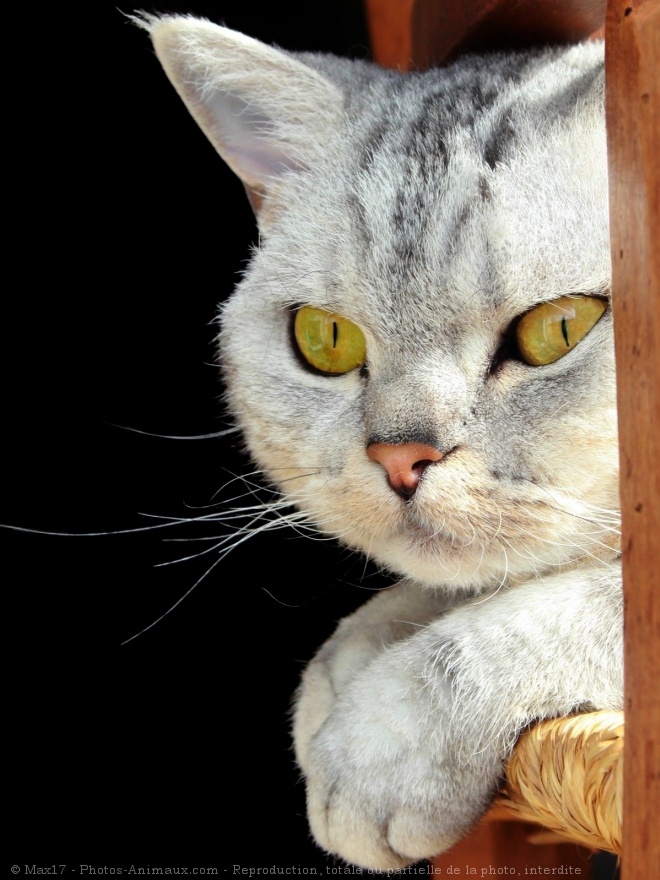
[(432, 213)]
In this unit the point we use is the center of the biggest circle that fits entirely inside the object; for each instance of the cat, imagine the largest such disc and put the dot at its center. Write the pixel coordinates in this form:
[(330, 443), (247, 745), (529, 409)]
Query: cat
[(420, 358)]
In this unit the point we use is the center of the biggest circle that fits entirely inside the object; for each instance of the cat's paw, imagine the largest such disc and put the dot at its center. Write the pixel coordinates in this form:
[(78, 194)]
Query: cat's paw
[(315, 701), (386, 785), (390, 617)]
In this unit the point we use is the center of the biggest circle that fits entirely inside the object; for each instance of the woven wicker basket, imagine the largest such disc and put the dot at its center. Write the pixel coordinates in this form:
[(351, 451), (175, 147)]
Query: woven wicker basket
[(566, 774)]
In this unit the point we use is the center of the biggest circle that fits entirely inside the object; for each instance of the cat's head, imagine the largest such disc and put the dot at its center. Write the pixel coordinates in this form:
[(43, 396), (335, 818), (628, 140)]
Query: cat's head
[(420, 353)]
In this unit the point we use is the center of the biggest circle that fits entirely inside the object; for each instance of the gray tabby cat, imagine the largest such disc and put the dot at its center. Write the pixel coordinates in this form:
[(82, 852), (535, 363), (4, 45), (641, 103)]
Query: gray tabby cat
[(420, 357)]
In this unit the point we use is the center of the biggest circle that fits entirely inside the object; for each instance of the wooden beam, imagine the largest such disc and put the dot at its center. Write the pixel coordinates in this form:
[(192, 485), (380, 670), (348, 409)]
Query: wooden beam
[(421, 33), (633, 115)]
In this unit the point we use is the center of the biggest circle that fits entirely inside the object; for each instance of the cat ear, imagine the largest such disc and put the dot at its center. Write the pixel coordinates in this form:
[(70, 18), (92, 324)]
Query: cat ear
[(264, 111)]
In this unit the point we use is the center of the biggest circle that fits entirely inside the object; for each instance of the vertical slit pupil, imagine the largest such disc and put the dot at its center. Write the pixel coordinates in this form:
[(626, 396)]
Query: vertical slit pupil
[(334, 334), (564, 331)]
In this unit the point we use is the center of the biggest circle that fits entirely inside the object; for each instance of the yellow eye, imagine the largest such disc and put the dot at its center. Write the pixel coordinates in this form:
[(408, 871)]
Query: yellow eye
[(552, 329), (328, 342)]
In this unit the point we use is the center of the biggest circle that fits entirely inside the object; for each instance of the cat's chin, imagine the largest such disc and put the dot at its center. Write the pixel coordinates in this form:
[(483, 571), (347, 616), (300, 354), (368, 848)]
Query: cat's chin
[(439, 561), (434, 563)]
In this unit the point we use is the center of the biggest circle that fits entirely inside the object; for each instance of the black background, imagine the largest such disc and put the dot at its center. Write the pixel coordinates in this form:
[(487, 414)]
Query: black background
[(124, 231)]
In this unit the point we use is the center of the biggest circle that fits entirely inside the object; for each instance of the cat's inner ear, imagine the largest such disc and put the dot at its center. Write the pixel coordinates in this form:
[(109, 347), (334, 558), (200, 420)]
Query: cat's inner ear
[(265, 112)]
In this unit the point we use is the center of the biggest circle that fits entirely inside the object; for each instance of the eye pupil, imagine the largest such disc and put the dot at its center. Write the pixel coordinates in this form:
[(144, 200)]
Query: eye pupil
[(564, 332), (335, 331)]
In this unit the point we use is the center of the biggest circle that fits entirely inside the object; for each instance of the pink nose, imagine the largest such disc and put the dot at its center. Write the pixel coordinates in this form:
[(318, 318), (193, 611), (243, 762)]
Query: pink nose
[(404, 463)]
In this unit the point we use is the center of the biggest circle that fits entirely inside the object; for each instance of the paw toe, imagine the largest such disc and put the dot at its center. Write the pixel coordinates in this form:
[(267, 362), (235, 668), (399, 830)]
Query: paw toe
[(356, 838)]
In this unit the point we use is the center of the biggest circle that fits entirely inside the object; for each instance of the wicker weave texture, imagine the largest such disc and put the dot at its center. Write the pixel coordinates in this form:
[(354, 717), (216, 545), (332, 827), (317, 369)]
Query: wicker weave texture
[(567, 775)]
